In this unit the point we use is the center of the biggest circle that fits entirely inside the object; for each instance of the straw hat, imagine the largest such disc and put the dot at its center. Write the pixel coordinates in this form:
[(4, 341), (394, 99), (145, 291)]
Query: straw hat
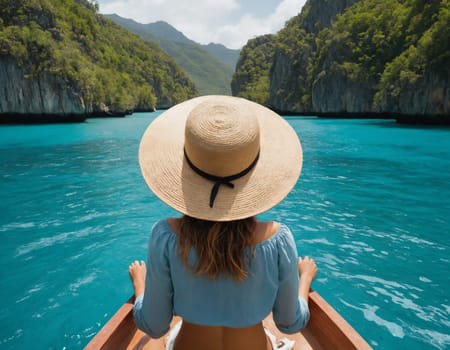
[(220, 158)]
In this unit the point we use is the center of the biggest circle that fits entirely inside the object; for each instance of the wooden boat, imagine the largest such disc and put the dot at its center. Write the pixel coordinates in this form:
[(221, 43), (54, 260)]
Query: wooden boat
[(326, 330)]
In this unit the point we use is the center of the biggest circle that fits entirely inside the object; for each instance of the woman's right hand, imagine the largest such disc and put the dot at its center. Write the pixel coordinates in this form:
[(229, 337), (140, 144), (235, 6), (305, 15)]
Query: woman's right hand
[(307, 267)]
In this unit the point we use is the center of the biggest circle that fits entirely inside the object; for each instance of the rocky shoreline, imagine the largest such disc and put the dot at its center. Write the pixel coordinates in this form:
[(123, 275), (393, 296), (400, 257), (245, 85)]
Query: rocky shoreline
[(399, 118), (16, 118), (55, 118), (42, 118)]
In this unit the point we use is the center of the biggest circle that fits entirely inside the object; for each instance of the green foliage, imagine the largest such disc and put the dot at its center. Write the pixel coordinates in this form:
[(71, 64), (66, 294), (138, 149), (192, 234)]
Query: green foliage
[(105, 63), (428, 51), (209, 75), (251, 79), (399, 73), (368, 35), (434, 44), (227, 56)]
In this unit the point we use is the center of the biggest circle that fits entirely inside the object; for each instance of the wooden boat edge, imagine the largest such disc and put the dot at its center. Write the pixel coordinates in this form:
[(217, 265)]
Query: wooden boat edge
[(332, 330), (326, 329), (112, 331)]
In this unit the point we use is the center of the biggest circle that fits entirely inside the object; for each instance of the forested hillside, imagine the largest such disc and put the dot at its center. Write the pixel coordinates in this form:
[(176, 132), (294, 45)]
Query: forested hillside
[(61, 58), (251, 78), (209, 66), (353, 58), (228, 56)]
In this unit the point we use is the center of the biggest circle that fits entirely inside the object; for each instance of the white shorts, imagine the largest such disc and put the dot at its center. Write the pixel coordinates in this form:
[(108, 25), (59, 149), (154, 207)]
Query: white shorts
[(283, 344)]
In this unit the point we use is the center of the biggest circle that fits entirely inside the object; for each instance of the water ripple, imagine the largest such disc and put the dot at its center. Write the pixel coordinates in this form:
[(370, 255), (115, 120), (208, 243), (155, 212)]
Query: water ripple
[(17, 334), (73, 287), (17, 225), (378, 280), (370, 314), (434, 338), (57, 239)]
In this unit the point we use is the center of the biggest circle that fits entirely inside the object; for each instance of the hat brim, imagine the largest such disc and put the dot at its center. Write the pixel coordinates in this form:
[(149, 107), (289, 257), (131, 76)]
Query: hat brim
[(171, 179)]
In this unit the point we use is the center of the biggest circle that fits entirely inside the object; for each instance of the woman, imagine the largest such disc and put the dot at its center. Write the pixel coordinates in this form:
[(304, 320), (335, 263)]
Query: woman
[(220, 161)]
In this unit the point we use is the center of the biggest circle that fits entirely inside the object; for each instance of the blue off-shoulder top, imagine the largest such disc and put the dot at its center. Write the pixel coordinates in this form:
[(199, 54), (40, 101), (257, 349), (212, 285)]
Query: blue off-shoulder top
[(172, 289)]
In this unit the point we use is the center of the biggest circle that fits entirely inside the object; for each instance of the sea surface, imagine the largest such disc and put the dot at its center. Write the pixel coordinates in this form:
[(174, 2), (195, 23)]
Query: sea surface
[(372, 207)]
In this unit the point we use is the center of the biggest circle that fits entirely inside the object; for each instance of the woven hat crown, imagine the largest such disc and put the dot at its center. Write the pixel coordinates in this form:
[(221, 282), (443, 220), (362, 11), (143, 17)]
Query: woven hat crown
[(220, 158), (221, 139)]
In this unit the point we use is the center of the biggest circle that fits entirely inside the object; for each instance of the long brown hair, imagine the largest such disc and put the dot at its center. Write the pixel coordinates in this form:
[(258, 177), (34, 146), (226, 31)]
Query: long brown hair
[(219, 246)]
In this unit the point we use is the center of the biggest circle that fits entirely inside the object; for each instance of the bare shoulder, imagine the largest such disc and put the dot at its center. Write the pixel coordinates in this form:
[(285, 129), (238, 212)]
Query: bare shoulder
[(265, 230), (174, 224)]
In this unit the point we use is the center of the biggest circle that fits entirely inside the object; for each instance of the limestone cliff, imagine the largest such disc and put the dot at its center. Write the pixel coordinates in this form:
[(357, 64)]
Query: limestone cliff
[(44, 94), (319, 14), (352, 58), (337, 94), (289, 86), (288, 80), (428, 96)]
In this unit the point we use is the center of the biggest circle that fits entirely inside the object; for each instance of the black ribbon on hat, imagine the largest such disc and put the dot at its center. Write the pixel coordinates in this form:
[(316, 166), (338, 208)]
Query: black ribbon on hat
[(219, 180)]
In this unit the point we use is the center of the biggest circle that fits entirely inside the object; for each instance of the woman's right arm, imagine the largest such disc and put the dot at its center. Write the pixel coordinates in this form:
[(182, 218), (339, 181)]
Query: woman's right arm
[(153, 310)]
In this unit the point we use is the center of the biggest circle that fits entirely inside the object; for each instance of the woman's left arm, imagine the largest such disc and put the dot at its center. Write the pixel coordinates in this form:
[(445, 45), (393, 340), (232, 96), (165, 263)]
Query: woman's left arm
[(290, 311)]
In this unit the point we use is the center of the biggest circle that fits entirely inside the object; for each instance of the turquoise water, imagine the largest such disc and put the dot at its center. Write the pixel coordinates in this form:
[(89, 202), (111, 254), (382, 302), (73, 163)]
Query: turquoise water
[(372, 206)]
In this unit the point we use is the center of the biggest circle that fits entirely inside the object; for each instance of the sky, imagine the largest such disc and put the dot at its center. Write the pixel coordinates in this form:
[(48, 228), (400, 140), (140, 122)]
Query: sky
[(227, 22)]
